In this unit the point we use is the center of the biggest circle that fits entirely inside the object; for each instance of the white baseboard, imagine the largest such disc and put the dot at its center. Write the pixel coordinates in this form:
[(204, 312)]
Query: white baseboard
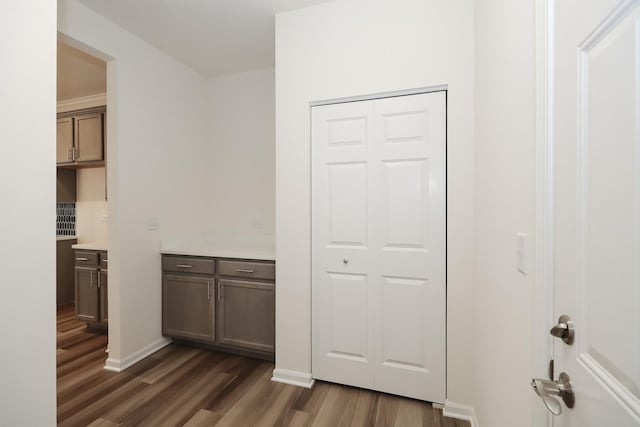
[(460, 412), (119, 365), (300, 379)]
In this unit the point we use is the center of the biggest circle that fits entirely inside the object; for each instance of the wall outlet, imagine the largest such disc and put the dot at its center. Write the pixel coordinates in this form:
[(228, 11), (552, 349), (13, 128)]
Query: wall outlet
[(521, 252), (153, 224)]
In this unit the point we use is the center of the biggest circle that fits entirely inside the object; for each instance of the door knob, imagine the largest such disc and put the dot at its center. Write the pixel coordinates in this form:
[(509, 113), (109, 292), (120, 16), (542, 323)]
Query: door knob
[(564, 329), (548, 390)]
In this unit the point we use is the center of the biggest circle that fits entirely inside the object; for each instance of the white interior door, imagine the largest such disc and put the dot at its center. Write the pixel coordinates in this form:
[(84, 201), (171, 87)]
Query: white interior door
[(597, 207), (379, 237)]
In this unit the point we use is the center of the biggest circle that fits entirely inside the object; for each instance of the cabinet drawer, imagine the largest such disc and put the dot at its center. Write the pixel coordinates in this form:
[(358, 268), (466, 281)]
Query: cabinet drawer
[(256, 270), (188, 265), (104, 260), (86, 259)]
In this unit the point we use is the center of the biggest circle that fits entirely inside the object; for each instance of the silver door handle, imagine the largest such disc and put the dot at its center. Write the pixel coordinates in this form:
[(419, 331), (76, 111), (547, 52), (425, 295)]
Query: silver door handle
[(208, 290), (242, 270), (75, 153), (98, 275), (184, 266), (82, 259), (564, 330), (91, 274), (68, 153), (219, 292), (548, 390)]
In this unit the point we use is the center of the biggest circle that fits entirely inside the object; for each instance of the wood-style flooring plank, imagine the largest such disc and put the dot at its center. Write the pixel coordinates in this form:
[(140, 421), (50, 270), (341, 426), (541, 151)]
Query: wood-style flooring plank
[(203, 418), (183, 385)]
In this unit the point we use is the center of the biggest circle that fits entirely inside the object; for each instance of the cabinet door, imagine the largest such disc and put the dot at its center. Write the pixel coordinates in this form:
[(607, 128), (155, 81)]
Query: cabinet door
[(187, 307), (86, 294), (104, 286), (246, 315), (89, 138), (66, 188), (64, 140), (65, 292)]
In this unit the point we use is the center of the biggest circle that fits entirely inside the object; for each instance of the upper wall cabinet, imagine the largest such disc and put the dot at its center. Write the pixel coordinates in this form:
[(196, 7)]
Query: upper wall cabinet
[(80, 138)]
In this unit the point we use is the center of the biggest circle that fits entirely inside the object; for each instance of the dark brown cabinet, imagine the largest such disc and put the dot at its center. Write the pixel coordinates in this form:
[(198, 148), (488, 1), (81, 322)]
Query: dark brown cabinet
[(87, 296), (64, 272), (188, 300), (80, 138), (65, 185), (103, 285), (64, 140), (91, 287), (226, 304), (246, 315), (188, 307)]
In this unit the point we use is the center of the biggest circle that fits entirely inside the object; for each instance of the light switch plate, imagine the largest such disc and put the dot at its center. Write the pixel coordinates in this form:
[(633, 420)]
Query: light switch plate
[(521, 252)]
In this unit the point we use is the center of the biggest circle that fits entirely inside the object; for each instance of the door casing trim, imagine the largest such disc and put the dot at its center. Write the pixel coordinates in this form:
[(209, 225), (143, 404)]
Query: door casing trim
[(379, 95), (544, 203)]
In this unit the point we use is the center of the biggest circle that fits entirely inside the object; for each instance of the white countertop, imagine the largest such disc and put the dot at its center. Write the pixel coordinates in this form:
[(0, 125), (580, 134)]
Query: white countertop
[(224, 245), (93, 246), (224, 250), (58, 238)]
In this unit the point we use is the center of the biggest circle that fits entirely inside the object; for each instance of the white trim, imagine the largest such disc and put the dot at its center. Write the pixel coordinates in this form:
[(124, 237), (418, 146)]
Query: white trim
[(300, 379), (460, 412), (80, 103), (625, 398), (544, 256), (404, 92), (609, 24), (119, 365)]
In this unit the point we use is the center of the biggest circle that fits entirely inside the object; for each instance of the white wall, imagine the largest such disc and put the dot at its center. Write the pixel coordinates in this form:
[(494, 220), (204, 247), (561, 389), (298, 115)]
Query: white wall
[(355, 47), (241, 160), (504, 182), (157, 113), (91, 206), (27, 216)]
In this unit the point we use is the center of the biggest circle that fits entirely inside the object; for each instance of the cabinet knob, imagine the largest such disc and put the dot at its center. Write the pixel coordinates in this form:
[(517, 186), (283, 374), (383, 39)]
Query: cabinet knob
[(345, 261)]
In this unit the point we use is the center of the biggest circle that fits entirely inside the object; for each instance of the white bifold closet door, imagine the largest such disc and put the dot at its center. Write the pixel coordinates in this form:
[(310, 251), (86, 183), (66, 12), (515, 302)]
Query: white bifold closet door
[(379, 241)]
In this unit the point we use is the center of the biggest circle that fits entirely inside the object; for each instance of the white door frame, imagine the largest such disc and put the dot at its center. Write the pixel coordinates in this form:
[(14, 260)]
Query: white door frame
[(544, 141)]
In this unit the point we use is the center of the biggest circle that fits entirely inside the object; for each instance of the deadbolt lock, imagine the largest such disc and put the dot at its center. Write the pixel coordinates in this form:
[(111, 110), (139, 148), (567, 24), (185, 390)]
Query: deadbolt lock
[(564, 330)]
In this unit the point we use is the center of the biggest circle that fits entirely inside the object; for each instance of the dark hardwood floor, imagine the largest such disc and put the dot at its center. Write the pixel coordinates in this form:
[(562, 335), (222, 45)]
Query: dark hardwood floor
[(182, 385)]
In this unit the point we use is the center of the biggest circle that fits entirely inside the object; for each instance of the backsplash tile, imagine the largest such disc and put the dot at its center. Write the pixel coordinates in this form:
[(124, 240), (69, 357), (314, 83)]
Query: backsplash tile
[(65, 219)]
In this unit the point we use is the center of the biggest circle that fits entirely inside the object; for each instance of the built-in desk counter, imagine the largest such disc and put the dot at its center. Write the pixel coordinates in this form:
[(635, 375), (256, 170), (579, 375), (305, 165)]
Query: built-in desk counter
[(221, 295)]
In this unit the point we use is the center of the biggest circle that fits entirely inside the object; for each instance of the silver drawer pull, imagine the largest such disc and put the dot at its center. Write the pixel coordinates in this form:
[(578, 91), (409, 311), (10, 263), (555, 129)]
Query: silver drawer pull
[(184, 266), (105, 260), (242, 270), (82, 259)]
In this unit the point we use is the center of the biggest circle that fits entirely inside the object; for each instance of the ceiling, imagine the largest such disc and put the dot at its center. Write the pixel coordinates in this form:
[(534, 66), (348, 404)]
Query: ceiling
[(213, 37), (79, 74)]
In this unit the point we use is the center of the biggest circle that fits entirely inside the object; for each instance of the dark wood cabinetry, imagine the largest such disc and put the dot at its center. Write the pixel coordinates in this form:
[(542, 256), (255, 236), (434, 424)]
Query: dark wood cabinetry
[(91, 286), (246, 314), (226, 304), (66, 185), (80, 138), (87, 296), (188, 307), (64, 272), (103, 285)]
